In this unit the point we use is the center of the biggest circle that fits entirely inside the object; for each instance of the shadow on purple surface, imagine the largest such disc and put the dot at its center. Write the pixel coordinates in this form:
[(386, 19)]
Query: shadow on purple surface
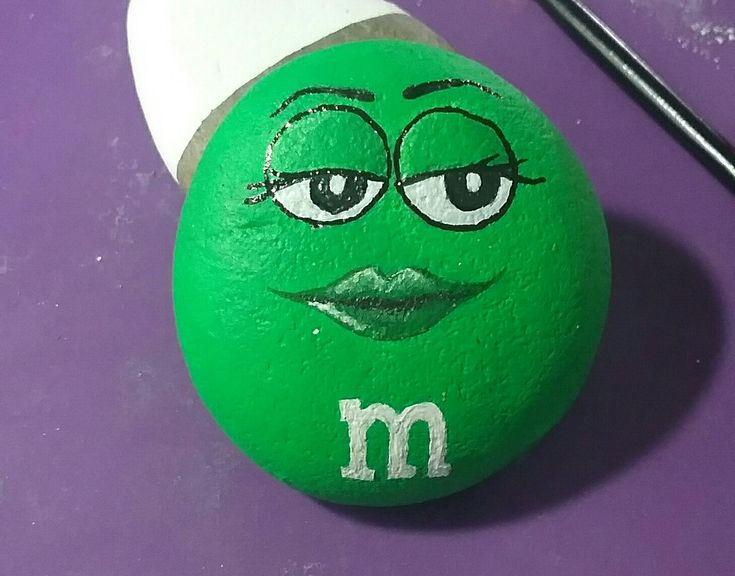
[(661, 345)]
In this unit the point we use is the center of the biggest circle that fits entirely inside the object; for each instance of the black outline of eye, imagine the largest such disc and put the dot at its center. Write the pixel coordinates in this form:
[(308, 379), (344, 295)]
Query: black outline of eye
[(272, 186), (511, 169), (287, 179)]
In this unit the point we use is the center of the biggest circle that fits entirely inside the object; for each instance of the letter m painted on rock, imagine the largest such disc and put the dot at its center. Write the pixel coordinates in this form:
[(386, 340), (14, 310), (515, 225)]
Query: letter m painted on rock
[(399, 426)]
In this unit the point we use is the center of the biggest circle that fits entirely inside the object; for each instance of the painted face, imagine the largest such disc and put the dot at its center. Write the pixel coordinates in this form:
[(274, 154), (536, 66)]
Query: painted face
[(391, 273)]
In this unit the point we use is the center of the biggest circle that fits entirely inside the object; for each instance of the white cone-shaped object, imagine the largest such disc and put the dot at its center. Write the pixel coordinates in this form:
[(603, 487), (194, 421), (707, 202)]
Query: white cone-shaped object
[(190, 56)]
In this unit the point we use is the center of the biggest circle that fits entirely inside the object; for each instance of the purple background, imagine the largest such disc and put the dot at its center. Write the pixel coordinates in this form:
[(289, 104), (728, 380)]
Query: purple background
[(109, 464)]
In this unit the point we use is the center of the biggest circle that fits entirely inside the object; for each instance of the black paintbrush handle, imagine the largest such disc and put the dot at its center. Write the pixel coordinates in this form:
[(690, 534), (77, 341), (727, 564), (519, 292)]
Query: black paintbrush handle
[(638, 77)]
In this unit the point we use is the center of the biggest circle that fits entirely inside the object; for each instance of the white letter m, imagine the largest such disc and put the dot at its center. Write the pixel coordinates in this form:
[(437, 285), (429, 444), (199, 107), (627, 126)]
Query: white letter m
[(399, 426)]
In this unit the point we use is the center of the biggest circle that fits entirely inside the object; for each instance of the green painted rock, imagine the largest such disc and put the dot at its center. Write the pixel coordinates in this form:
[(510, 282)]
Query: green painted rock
[(391, 274)]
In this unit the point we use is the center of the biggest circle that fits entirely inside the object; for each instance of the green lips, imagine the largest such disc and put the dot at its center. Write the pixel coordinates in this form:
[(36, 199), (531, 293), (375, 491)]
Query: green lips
[(405, 304)]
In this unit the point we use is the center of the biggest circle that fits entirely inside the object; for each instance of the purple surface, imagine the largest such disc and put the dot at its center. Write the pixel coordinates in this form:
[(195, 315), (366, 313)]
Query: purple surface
[(109, 464)]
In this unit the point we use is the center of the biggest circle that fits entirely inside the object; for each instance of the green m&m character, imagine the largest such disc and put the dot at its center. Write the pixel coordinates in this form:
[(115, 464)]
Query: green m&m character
[(391, 274)]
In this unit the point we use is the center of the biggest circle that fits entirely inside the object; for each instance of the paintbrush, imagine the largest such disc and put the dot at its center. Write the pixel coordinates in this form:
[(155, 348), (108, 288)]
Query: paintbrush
[(712, 149)]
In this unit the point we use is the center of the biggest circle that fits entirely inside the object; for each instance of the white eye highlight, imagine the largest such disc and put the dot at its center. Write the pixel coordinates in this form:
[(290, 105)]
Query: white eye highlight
[(468, 198), (337, 184), (328, 197), (473, 182)]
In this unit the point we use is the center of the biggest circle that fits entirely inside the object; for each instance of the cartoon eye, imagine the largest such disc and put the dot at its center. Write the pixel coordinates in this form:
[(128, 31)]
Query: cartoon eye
[(328, 196), (465, 198)]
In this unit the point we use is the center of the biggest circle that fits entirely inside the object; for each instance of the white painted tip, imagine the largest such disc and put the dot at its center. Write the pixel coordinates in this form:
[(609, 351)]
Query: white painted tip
[(189, 56)]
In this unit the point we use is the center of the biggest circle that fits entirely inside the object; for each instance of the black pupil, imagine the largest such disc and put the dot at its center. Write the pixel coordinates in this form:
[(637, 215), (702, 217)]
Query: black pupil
[(473, 188), (337, 193)]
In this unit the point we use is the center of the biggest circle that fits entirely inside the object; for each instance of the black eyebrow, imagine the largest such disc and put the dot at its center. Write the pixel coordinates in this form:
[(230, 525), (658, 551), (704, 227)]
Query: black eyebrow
[(426, 88), (349, 93)]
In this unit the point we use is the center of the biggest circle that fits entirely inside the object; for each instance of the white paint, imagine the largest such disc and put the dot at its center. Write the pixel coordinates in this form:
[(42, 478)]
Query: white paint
[(337, 184), (399, 426), (296, 199), (690, 24), (189, 56), (713, 33), (430, 197), (474, 182), (334, 312)]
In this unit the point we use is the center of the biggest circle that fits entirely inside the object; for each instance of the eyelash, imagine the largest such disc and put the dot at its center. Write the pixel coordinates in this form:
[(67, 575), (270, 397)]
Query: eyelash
[(284, 179), (485, 163)]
